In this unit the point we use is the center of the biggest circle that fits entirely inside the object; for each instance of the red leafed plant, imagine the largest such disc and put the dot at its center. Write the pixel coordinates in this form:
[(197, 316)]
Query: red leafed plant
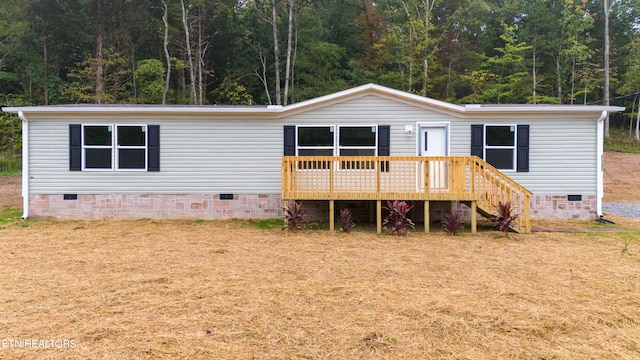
[(397, 222), (451, 222), (345, 219), (505, 218), (294, 215)]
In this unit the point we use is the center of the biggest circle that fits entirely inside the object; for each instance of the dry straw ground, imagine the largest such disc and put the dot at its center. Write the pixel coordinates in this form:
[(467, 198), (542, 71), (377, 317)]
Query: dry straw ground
[(227, 290)]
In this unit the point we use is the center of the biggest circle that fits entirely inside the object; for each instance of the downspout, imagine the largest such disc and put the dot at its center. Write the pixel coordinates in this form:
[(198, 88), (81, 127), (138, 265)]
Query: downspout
[(600, 162), (25, 165)]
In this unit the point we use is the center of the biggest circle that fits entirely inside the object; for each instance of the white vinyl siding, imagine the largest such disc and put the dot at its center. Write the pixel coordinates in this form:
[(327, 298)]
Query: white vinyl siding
[(242, 155)]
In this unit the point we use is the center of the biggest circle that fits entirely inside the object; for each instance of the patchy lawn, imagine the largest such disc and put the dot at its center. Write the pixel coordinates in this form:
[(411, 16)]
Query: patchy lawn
[(228, 290)]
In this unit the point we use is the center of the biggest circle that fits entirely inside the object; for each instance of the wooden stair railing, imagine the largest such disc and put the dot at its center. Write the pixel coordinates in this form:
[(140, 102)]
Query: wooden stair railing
[(492, 186)]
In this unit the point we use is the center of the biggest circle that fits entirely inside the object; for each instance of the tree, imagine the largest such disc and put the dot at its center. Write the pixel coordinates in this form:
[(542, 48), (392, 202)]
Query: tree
[(606, 100), (149, 78)]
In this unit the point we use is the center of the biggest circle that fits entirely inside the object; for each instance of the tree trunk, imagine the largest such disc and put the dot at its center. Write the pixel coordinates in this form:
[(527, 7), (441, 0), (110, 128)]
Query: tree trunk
[(45, 70), (287, 74), (100, 20), (533, 72), (559, 78), (165, 20), (276, 52), (187, 37), (199, 58)]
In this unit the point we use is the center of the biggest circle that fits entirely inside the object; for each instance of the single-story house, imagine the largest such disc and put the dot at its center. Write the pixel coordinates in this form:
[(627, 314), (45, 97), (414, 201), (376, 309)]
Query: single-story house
[(368, 143)]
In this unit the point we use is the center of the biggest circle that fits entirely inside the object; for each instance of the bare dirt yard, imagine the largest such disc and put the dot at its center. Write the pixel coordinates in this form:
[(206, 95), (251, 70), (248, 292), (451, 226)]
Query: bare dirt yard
[(10, 191), (621, 177), (228, 290)]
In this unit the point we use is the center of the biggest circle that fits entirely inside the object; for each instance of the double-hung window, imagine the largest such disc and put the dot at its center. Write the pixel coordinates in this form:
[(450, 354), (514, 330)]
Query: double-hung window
[(338, 141), (357, 141), (114, 147), (500, 146), (316, 140)]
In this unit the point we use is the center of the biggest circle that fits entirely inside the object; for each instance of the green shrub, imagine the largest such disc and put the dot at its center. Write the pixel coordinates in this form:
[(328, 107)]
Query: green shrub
[(10, 164)]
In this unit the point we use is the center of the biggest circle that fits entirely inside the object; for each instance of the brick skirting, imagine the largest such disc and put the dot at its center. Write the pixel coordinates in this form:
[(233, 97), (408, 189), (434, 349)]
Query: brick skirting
[(559, 207), (156, 206), (259, 206)]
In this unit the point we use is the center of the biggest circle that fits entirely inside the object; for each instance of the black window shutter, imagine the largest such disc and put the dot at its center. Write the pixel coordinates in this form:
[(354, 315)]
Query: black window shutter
[(289, 140), (75, 147), (153, 147), (384, 144), (384, 140), (477, 141), (522, 155)]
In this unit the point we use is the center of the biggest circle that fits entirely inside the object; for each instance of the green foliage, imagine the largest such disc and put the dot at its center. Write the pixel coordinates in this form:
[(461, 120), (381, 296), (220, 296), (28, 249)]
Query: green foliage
[(294, 215), (504, 218), (267, 224), (10, 164), (117, 80), (397, 221), (9, 216), (150, 81), (10, 135), (451, 222), (509, 68), (230, 92), (621, 141), (346, 221)]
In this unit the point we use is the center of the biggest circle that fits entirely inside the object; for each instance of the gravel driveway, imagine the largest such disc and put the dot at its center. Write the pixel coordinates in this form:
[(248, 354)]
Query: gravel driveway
[(622, 209)]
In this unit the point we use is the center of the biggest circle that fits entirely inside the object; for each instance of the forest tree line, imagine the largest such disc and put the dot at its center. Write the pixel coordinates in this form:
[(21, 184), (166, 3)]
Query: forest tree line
[(286, 51)]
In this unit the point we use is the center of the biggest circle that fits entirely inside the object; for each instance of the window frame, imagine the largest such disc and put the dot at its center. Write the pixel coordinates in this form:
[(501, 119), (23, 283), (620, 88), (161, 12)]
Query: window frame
[(340, 147), (114, 147), (85, 147), (298, 147), (118, 147), (337, 147), (336, 139), (513, 147)]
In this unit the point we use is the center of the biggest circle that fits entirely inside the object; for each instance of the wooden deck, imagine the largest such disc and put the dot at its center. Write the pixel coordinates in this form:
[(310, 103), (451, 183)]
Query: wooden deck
[(466, 179)]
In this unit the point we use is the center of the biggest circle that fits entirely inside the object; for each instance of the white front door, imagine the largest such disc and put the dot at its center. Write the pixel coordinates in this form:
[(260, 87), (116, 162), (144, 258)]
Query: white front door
[(433, 142)]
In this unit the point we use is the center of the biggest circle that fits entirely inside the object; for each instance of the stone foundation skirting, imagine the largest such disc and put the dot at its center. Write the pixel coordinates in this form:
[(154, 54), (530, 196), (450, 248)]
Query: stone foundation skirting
[(559, 207), (262, 206), (156, 206)]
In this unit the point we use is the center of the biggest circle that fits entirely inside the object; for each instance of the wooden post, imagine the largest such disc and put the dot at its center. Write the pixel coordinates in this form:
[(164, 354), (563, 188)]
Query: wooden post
[(474, 217), (426, 216), (379, 216), (332, 220), (454, 206)]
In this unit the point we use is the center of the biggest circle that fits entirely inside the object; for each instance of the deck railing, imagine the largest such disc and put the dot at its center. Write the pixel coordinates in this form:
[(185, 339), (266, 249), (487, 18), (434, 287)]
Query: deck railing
[(433, 178)]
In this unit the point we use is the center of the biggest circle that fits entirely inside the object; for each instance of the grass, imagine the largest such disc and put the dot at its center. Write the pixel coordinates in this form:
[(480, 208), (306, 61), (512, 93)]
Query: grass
[(620, 141), (9, 216), (10, 164), (234, 289)]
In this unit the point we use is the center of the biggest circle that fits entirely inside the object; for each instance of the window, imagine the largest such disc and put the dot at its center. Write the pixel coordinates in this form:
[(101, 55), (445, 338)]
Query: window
[(500, 146), (357, 141), (98, 146), (316, 141), (132, 147), (114, 147), (351, 141), (338, 141)]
